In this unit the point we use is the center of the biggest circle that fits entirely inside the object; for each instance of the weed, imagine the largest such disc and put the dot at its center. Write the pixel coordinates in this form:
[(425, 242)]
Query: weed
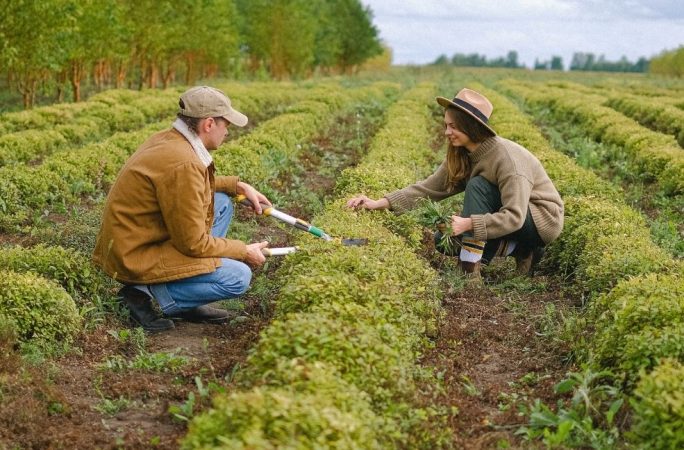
[(112, 406), (587, 421), (469, 387), (186, 410)]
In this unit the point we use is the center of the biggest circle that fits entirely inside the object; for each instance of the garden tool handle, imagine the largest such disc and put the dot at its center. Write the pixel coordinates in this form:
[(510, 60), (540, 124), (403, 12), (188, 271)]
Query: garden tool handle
[(247, 202), (278, 251)]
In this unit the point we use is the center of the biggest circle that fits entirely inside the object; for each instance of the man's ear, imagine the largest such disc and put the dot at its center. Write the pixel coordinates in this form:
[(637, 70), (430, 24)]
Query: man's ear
[(205, 124)]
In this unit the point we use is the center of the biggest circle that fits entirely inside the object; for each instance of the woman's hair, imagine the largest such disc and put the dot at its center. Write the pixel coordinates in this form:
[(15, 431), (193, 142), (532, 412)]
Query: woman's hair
[(458, 163)]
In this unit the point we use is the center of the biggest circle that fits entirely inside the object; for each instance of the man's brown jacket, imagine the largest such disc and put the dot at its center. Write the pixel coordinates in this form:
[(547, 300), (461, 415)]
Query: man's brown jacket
[(156, 225)]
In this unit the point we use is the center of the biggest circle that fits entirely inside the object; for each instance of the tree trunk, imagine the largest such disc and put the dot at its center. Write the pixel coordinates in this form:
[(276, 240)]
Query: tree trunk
[(76, 77), (120, 74)]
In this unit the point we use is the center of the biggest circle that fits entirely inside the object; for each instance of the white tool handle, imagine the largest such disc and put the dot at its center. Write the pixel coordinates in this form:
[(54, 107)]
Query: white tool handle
[(278, 251)]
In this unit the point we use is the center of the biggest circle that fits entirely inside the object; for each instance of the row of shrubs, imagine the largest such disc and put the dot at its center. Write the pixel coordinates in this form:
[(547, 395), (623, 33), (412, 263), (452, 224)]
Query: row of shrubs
[(66, 277), (337, 367), (635, 288), (58, 127), (28, 193), (263, 154), (651, 113), (655, 156)]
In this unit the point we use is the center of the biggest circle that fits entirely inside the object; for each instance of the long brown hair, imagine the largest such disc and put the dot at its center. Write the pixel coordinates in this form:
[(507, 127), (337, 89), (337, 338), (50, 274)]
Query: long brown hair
[(458, 162)]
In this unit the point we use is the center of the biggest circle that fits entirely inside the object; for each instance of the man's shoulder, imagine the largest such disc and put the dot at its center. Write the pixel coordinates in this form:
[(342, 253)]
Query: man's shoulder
[(167, 146)]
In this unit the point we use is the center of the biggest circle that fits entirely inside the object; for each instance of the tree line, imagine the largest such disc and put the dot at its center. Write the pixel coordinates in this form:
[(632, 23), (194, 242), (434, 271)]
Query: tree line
[(59, 45), (580, 61), (669, 63)]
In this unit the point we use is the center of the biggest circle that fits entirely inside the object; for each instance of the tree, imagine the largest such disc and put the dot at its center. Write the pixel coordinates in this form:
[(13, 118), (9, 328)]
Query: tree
[(556, 63), (358, 36)]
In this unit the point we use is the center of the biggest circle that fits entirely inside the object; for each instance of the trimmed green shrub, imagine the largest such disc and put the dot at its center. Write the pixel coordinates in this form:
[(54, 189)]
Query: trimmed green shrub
[(41, 309), (364, 356), (639, 321), (280, 418), (70, 268), (658, 403)]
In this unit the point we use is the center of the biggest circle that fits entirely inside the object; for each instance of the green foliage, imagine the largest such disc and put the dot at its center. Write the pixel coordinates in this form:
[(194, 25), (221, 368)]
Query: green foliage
[(304, 405), (638, 322), (654, 155), (40, 309), (658, 405), (72, 269), (588, 420), (162, 362), (279, 418), (668, 63)]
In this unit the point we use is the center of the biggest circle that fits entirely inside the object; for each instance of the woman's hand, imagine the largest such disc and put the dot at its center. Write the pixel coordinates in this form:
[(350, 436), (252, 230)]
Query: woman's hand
[(253, 196), (361, 201), (460, 225)]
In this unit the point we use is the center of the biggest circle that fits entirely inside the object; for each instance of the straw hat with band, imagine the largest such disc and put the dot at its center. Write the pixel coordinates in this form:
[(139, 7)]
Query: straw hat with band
[(473, 103), (204, 101)]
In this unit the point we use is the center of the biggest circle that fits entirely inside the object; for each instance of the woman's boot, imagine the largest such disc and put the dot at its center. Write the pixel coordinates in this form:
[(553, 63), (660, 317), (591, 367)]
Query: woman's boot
[(471, 270)]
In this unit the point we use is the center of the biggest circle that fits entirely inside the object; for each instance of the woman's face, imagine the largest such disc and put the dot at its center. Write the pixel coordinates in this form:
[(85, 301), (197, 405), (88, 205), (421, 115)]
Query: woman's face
[(456, 137)]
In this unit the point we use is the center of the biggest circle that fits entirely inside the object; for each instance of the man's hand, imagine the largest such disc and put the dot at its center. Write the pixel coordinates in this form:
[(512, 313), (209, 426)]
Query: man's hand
[(254, 256), (253, 196), (460, 225), (361, 201)]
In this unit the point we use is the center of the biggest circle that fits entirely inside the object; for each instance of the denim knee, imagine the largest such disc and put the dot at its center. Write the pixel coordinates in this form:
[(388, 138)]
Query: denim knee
[(479, 185), (223, 201), (234, 281)]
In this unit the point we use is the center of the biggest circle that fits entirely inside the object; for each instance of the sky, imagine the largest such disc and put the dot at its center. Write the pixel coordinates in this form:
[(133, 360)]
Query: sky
[(418, 31)]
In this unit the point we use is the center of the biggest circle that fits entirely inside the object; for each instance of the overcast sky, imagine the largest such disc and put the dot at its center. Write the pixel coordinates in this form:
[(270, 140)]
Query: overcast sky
[(420, 30)]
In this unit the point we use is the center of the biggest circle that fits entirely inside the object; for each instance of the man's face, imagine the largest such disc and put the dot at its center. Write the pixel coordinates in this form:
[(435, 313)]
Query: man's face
[(217, 132)]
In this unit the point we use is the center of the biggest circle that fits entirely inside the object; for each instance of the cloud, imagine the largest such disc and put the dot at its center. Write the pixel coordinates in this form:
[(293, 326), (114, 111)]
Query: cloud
[(419, 31)]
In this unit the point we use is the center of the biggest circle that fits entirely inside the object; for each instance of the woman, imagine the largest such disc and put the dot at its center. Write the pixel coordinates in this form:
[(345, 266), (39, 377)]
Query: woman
[(510, 206)]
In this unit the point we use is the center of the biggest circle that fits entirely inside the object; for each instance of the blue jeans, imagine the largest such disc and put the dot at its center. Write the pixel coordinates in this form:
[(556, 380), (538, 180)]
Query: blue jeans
[(228, 281)]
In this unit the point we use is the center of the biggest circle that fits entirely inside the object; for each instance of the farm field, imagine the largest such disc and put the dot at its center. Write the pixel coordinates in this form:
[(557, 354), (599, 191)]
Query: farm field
[(380, 346)]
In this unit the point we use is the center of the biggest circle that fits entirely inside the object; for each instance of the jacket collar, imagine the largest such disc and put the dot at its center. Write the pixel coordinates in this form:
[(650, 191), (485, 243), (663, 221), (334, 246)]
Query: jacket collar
[(196, 143)]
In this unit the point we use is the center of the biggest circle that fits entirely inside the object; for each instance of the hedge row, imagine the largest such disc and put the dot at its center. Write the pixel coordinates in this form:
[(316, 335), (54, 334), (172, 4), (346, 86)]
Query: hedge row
[(63, 128), (652, 113), (262, 155), (59, 127), (655, 156), (29, 192), (337, 367), (636, 287)]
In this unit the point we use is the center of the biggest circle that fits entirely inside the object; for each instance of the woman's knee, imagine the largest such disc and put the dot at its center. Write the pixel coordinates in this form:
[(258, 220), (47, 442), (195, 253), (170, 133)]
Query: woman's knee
[(480, 185)]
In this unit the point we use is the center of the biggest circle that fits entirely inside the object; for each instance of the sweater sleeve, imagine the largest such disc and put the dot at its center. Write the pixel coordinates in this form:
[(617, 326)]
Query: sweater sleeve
[(433, 187), (515, 194), (181, 200)]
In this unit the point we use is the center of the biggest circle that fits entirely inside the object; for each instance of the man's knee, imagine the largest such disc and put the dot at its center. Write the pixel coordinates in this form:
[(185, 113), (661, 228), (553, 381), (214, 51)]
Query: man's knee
[(223, 202), (235, 278)]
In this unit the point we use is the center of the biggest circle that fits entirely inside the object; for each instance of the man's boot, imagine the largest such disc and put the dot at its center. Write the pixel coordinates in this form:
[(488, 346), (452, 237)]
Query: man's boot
[(471, 270), (526, 260), (139, 305), (203, 314)]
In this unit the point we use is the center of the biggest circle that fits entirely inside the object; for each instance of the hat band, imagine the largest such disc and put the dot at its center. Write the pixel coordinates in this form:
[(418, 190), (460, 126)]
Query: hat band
[(472, 109)]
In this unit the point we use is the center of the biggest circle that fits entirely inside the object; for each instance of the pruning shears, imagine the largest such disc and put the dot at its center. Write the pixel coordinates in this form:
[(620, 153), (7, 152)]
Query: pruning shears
[(300, 225)]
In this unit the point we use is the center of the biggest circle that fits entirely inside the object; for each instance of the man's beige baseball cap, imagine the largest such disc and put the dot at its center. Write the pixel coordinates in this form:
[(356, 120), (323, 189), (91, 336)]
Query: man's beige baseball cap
[(205, 101)]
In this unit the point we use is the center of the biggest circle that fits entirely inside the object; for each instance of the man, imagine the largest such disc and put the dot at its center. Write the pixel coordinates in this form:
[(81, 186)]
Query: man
[(166, 217)]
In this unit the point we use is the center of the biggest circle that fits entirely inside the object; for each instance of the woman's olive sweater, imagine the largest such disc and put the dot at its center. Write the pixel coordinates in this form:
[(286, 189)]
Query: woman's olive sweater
[(521, 179)]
